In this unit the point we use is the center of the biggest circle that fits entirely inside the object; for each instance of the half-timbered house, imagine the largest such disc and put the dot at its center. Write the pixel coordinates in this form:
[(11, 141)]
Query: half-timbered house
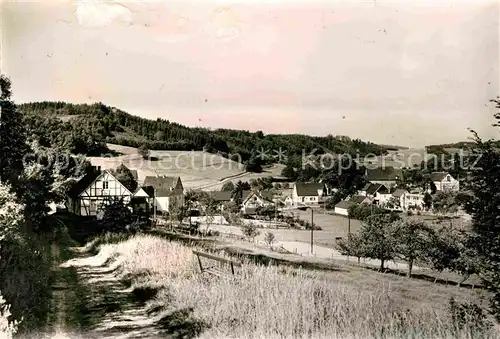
[(91, 194)]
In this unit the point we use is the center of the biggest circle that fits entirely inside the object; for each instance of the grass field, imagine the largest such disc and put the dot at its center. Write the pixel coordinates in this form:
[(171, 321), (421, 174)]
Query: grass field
[(198, 170), (284, 302)]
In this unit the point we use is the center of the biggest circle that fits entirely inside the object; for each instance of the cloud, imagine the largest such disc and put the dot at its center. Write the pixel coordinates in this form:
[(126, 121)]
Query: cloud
[(98, 13)]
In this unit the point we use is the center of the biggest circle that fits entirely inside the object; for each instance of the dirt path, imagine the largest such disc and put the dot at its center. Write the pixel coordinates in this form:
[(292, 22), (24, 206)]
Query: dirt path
[(90, 301)]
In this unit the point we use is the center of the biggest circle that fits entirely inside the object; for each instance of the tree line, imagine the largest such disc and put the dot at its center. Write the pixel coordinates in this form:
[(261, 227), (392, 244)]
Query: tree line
[(86, 128)]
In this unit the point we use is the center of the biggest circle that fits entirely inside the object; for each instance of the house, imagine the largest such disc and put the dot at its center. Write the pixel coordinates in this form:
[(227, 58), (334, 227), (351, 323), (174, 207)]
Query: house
[(387, 176), (408, 200), (95, 190), (444, 182), (308, 193), (342, 207), (221, 197), (287, 200), (399, 195), (414, 201), (167, 192), (143, 199), (255, 200)]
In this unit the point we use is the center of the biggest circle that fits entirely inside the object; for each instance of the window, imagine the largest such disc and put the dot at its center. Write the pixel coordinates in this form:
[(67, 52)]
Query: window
[(105, 185), (448, 178)]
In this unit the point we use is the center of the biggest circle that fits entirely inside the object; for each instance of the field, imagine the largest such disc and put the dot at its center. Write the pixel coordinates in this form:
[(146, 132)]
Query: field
[(198, 170), (399, 159), (285, 302)]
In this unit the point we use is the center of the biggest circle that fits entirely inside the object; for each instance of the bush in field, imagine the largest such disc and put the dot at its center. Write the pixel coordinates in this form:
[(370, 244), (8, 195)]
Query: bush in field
[(352, 246), (269, 238), (250, 230), (143, 151), (469, 317)]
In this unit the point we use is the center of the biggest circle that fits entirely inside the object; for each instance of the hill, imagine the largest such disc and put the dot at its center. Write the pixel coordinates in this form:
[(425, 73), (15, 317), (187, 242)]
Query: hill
[(85, 129)]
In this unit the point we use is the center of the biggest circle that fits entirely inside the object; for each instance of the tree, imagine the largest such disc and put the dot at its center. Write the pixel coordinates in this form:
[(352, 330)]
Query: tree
[(254, 165), (116, 216), (427, 201), (412, 239), (13, 145), (269, 238), (125, 176), (250, 230), (445, 249), (377, 238), (483, 183), (143, 151), (190, 199), (159, 135), (352, 246), (228, 187), (239, 188), (209, 210), (178, 213), (445, 202), (289, 172), (432, 187), (393, 203)]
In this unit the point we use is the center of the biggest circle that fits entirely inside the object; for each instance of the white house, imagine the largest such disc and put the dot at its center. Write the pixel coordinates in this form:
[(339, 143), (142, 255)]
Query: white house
[(94, 191), (444, 182), (253, 201), (377, 193), (408, 200), (342, 207), (308, 193), (166, 191)]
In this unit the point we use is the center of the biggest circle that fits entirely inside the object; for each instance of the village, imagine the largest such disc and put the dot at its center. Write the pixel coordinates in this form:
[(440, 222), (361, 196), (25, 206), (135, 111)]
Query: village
[(159, 194), (249, 170)]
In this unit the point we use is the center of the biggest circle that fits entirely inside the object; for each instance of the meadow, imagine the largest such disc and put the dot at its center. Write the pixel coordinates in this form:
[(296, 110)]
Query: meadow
[(197, 169), (286, 302)]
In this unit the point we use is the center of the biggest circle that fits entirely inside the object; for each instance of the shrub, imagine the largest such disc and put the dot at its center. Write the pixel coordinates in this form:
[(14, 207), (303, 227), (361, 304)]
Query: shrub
[(269, 238), (468, 316), (250, 230)]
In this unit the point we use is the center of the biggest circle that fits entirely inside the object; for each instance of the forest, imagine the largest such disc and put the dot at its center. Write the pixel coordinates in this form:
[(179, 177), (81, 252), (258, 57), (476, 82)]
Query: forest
[(86, 128)]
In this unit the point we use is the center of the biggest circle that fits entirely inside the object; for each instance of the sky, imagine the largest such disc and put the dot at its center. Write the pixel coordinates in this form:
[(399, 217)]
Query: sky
[(410, 73)]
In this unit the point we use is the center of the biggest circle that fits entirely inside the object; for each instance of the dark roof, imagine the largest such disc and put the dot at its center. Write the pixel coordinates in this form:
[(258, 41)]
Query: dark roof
[(383, 174), (345, 204), (374, 188), (82, 184), (220, 195), (399, 192), (162, 185), (367, 186), (357, 199), (438, 176), (308, 189)]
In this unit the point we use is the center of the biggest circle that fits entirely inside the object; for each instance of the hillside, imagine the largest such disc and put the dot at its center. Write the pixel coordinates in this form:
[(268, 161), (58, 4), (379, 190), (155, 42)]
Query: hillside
[(197, 169), (85, 129)]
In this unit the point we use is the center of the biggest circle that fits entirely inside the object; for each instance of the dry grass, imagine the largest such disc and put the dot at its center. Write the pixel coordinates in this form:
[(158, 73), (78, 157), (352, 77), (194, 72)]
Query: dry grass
[(277, 302)]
